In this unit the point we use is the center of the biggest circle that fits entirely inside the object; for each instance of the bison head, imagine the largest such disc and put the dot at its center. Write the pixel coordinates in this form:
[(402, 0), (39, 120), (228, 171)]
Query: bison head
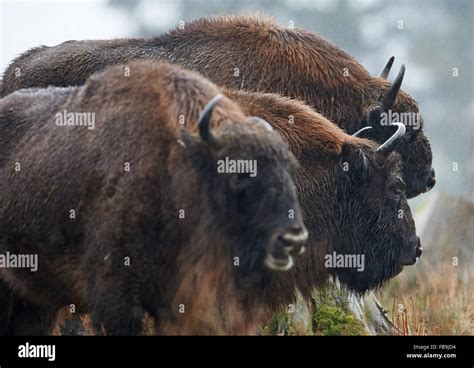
[(415, 150), (248, 172), (375, 218)]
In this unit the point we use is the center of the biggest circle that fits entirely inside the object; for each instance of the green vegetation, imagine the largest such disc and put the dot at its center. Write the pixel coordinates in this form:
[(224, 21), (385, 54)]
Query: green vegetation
[(324, 315)]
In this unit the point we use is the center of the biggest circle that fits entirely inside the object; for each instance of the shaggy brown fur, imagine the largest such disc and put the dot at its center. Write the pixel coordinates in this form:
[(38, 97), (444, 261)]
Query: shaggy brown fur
[(353, 212), (182, 271), (268, 57)]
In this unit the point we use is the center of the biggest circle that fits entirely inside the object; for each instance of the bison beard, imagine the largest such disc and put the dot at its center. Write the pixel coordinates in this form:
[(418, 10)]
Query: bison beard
[(269, 58), (128, 251)]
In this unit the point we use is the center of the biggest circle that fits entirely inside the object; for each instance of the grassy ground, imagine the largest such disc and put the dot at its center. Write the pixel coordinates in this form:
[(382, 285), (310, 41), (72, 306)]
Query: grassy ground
[(431, 302)]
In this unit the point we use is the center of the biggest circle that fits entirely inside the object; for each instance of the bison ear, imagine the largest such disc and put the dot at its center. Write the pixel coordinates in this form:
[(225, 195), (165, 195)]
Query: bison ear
[(376, 117), (354, 162), (186, 140)]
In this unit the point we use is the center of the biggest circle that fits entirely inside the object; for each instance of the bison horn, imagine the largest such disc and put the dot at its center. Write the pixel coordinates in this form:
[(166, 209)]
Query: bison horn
[(261, 121), (360, 131), (391, 95), (384, 73), (384, 150), (205, 120)]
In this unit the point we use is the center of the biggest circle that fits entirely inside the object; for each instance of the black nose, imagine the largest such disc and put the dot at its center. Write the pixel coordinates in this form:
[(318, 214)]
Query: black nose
[(419, 249), (294, 239), (431, 181), (290, 241)]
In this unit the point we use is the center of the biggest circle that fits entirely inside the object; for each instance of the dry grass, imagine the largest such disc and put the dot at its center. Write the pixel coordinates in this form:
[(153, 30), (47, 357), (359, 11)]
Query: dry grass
[(431, 301)]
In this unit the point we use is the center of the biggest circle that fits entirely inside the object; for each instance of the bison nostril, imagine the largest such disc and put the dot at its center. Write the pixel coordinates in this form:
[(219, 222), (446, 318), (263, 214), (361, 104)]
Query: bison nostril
[(419, 252), (291, 241), (295, 236), (431, 181), (418, 248)]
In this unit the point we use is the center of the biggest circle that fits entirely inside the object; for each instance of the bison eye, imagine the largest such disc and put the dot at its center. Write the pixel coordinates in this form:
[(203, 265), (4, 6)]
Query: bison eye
[(397, 192), (396, 189), (411, 136)]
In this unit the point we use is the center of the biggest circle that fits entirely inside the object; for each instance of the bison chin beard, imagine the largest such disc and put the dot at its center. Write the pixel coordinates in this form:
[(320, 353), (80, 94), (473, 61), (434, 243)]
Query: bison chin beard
[(376, 273)]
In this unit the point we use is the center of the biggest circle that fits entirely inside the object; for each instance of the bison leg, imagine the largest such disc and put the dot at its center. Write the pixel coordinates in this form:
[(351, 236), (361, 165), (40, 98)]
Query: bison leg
[(115, 263), (19, 317), (6, 300), (113, 314), (113, 302)]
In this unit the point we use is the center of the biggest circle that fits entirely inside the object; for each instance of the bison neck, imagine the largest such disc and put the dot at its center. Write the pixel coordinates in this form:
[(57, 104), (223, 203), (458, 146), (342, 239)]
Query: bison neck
[(322, 195), (209, 291)]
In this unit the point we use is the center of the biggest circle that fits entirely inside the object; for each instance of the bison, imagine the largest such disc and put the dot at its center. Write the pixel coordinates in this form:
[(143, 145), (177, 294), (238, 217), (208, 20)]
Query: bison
[(353, 197), (132, 214), (254, 53)]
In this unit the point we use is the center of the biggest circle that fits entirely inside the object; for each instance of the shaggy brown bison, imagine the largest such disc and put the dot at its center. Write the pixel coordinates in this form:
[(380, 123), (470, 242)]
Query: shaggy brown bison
[(352, 194), (128, 212), (255, 54)]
